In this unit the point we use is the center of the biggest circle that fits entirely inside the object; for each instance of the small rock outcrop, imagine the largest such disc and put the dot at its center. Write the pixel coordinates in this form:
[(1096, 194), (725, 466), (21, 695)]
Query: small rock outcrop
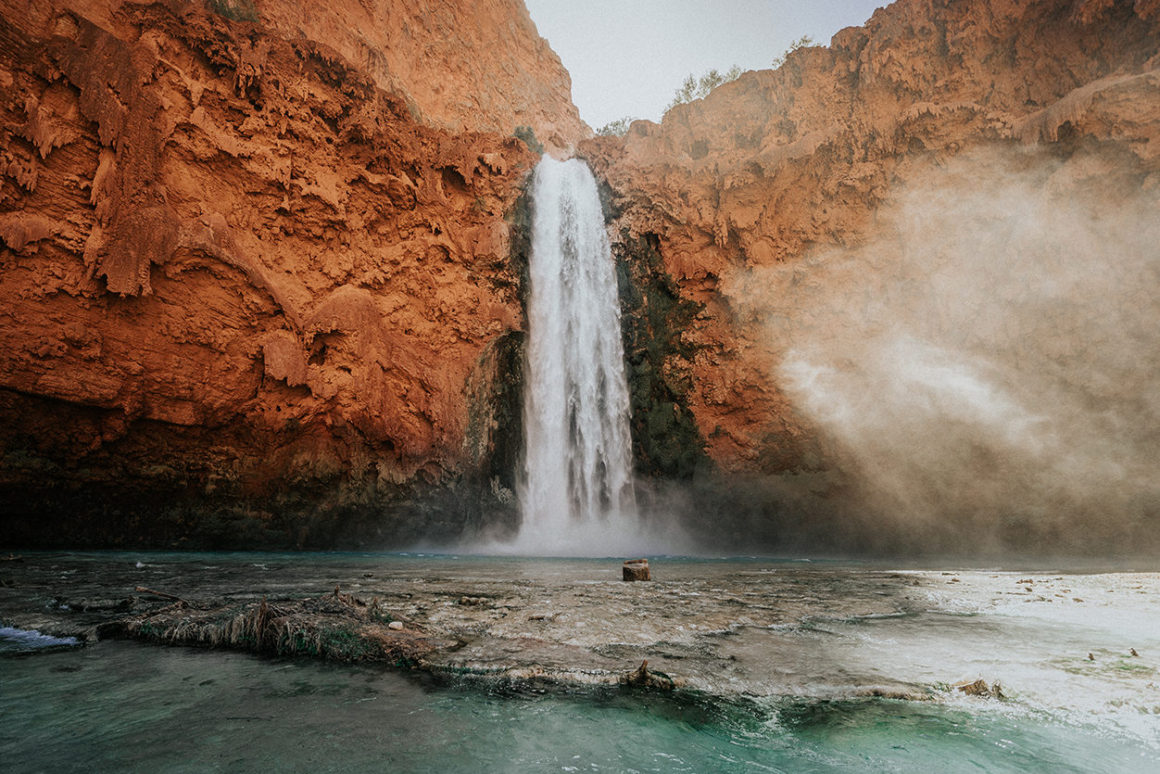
[(643, 677), (636, 570), (980, 688)]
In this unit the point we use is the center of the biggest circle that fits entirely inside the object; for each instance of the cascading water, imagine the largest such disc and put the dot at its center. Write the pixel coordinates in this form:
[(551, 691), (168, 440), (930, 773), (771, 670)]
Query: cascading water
[(577, 492)]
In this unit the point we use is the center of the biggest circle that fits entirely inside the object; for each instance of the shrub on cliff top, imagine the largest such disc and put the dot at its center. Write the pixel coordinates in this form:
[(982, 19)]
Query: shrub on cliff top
[(699, 88), (617, 128), (802, 42)]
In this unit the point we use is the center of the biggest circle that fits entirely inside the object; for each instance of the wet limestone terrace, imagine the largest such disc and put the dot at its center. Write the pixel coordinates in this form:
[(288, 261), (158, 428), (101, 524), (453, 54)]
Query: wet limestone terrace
[(1082, 647)]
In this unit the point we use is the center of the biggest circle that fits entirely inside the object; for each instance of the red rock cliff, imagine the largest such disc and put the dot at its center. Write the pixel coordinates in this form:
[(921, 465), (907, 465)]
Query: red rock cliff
[(255, 281), (256, 251), (782, 163), (463, 66)]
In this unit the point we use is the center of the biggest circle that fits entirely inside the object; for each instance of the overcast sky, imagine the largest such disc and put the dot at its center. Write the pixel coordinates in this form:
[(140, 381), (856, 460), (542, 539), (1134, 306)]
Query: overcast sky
[(627, 57)]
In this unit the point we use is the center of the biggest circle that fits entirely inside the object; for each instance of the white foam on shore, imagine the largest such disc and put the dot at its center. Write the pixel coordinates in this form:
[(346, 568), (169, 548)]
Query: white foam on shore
[(13, 639)]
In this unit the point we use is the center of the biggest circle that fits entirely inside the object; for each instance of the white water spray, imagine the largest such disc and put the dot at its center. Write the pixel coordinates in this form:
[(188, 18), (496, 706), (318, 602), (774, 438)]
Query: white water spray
[(576, 495)]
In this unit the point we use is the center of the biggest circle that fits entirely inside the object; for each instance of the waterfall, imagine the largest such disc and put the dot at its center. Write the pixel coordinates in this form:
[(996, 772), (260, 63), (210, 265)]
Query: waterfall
[(576, 495)]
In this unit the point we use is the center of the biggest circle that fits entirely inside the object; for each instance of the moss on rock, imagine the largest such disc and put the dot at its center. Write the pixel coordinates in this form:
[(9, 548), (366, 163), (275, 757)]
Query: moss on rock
[(665, 439)]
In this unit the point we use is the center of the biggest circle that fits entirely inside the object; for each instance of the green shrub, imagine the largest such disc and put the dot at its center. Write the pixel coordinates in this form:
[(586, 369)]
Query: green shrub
[(802, 42), (617, 128), (528, 135), (698, 88)]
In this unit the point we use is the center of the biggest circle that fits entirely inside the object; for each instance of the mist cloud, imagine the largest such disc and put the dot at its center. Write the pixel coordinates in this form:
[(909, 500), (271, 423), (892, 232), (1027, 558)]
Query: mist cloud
[(986, 370)]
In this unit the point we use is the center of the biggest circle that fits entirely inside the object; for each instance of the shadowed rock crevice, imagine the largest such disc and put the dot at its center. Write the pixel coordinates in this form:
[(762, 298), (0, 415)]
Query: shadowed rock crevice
[(655, 320)]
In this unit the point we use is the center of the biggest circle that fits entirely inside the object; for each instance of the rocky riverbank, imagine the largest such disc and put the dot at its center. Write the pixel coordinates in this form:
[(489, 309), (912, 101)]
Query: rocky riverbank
[(722, 628)]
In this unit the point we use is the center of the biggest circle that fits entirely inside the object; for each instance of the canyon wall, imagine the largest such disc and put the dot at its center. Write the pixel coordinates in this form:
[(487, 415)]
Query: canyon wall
[(746, 199), (258, 282), (261, 276)]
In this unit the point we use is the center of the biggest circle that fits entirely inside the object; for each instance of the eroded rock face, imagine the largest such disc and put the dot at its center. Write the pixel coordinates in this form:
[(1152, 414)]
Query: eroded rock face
[(464, 66), (779, 163), (752, 196), (240, 267)]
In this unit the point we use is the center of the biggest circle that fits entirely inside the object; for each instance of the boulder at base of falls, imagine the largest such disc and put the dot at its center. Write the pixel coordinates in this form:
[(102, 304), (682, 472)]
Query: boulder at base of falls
[(636, 570)]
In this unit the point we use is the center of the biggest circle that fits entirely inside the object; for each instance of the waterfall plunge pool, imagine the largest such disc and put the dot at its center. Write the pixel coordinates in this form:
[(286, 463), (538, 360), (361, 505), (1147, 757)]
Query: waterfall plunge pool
[(129, 707), (778, 661)]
